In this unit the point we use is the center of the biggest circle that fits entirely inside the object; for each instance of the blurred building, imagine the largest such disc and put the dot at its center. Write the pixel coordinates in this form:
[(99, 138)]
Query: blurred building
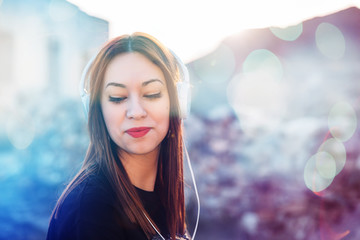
[(44, 46)]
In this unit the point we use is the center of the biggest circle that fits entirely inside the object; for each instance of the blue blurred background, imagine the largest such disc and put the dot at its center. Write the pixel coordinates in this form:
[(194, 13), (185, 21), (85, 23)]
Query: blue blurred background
[(273, 136)]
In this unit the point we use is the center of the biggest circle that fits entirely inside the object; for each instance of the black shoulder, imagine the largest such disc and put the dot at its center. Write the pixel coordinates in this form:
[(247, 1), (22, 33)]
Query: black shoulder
[(89, 211)]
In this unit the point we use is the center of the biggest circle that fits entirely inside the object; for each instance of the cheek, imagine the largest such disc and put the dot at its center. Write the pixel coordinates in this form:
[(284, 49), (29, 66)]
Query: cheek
[(112, 117), (166, 117), (165, 109), (163, 125), (161, 115)]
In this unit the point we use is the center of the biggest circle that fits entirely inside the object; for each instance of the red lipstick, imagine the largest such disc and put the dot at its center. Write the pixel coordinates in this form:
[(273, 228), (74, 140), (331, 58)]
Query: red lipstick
[(138, 132)]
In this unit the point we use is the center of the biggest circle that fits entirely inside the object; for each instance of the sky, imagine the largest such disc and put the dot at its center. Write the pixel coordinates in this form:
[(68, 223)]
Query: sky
[(192, 28)]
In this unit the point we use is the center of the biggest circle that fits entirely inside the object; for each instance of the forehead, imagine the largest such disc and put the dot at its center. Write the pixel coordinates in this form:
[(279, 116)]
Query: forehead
[(132, 67)]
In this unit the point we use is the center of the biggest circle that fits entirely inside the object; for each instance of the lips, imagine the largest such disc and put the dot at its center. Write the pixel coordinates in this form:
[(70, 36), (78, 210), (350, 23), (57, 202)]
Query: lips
[(138, 132)]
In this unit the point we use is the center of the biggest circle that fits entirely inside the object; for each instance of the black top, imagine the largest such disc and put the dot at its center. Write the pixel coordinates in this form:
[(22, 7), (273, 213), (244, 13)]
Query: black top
[(89, 212)]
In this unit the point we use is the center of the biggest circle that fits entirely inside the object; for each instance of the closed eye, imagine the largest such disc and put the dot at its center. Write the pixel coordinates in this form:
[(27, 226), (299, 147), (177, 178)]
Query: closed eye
[(153, 96), (116, 99)]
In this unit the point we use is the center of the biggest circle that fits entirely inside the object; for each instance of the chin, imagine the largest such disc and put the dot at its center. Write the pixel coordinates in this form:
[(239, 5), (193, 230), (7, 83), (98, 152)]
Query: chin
[(142, 150)]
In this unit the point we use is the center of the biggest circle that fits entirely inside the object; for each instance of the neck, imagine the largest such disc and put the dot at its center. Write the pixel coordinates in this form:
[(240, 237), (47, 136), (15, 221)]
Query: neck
[(141, 169)]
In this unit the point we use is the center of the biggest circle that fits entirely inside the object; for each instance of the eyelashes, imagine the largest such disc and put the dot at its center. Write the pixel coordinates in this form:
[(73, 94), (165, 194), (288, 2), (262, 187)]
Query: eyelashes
[(148, 96), (154, 96), (116, 99)]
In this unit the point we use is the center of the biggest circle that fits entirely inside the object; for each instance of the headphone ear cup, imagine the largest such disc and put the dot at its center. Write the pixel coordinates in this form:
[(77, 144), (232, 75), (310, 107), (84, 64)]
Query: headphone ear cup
[(85, 98), (184, 98), (183, 88)]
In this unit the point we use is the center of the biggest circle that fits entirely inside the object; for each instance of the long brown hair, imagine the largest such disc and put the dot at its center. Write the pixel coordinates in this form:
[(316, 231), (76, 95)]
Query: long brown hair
[(103, 152)]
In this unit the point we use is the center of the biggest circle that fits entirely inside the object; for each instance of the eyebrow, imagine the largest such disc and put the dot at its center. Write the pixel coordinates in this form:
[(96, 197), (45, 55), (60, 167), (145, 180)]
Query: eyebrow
[(115, 84), (150, 81), (143, 84)]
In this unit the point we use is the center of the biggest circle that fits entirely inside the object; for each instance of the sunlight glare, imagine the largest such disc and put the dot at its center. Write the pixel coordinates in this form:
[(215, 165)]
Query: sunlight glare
[(194, 28)]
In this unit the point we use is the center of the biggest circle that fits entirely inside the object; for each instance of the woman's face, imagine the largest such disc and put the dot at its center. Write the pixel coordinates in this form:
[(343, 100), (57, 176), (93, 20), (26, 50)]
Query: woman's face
[(135, 103)]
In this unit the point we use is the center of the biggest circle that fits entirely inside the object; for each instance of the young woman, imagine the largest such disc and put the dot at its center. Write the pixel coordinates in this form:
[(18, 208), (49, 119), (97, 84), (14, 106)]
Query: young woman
[(131, 184)]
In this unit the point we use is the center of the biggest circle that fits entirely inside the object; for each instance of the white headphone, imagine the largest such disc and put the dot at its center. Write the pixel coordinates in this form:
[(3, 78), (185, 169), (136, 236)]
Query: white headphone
[(183, 88)]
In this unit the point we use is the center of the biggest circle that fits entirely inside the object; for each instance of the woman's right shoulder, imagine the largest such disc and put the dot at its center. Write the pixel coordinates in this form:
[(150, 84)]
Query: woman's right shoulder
[(89, 209), (93, 191)]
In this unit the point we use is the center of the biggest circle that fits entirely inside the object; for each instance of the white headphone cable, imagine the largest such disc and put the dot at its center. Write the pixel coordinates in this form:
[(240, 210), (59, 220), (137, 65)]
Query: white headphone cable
[(154, 227), (196, 194), (196, 191)]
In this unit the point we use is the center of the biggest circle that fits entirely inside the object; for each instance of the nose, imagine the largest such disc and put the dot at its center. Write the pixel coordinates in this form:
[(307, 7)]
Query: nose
[(135, 109)]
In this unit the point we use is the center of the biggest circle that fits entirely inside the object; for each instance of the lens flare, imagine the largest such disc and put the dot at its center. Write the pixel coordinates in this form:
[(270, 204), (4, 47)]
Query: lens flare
[(319, 171), (342, 121), (337, 150), (290, 33), (330, 41)]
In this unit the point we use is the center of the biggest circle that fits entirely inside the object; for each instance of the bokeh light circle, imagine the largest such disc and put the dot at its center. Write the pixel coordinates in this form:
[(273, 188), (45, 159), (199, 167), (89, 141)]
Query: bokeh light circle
[(319, 171), (290, 33), (263, 64), (342, 121), (216, 67), (10, 165), (325, 165), (257, 95), (20, 130), (337, 150), (330, 41)]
